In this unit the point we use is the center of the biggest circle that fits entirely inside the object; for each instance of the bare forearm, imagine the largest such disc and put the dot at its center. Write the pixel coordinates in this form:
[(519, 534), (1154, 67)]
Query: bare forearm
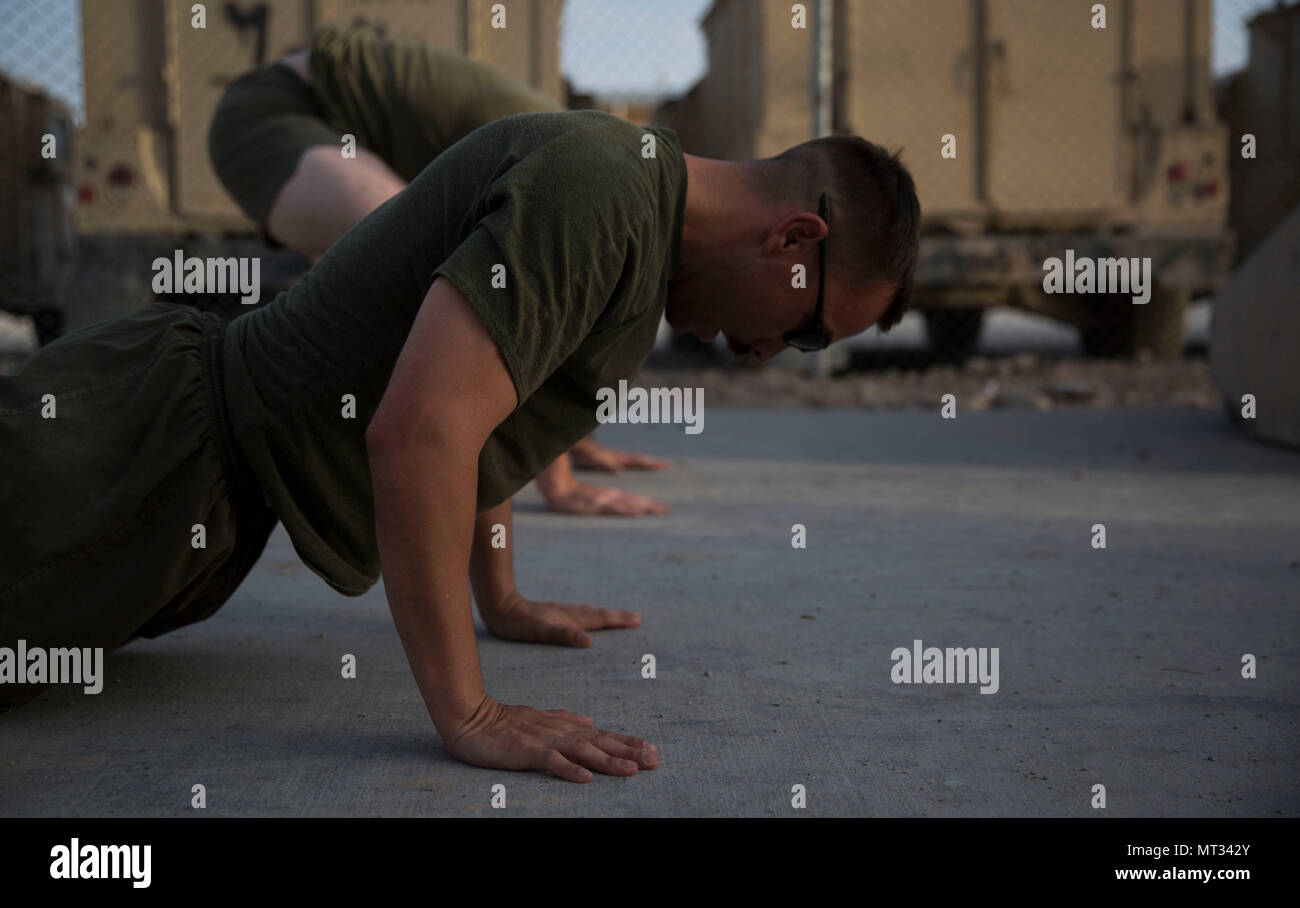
[(491, 567), (424, 521), (448, 391)]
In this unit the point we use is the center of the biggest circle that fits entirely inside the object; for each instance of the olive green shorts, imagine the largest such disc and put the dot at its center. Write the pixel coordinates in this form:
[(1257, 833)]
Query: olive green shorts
[(262, 126), (126, 509)]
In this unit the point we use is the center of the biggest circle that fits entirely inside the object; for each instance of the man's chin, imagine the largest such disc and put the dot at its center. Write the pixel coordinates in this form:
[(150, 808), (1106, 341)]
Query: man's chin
[(735, 346)]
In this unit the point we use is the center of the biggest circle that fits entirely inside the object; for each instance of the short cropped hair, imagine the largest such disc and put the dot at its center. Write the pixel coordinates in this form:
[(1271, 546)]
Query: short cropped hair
[(873, 205)]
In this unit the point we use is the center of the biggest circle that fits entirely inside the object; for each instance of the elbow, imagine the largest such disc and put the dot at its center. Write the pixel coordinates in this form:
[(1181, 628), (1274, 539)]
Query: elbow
[(397, 435)]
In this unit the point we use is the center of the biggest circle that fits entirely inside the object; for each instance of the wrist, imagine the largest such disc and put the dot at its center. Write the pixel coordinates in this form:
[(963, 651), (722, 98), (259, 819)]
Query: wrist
[(455, 715), (496, 600), (492, 588)]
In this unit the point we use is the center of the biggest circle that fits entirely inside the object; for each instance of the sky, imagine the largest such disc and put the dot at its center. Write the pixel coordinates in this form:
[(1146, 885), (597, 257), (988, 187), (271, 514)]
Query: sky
[(610, 47)]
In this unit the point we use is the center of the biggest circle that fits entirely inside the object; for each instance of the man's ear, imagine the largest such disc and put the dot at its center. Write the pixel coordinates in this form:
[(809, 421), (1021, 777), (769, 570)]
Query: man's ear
[(795, 233)]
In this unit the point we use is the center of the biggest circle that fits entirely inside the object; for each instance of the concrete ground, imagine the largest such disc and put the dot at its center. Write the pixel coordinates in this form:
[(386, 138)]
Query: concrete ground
[(1119, 667)]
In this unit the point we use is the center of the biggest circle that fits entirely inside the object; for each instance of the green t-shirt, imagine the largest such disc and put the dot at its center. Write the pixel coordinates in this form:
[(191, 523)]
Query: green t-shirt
[(405, 101), (589, 231)]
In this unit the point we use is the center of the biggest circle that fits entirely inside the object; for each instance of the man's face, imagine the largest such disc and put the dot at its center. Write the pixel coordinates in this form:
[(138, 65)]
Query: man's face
[(753, 307), (746, 293)]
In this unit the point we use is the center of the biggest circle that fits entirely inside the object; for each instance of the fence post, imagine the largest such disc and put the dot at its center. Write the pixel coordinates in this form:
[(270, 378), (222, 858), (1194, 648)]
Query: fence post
[(823, 100)]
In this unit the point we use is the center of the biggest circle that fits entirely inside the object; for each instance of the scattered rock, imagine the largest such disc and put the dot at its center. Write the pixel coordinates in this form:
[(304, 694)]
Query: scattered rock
[(1071, 391), (1024, 362), (1022, 399), (984, 398)]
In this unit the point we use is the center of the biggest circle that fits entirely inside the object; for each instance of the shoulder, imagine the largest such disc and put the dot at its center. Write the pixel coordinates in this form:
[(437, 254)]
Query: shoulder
[(591, 157), (617, 144)]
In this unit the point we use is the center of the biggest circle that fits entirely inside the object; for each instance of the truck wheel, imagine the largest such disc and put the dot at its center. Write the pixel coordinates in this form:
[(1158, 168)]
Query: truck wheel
[(1233, 410), (1107, 330), (953, 333), (1160, 326), (1118, 327)]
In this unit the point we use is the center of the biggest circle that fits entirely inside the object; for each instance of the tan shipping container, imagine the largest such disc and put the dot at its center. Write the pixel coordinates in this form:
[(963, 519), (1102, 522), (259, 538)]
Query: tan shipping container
[(1056, 123)]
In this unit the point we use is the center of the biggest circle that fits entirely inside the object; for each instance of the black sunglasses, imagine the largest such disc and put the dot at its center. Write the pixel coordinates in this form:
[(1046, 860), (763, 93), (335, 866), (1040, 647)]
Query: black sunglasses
[(813, 337)]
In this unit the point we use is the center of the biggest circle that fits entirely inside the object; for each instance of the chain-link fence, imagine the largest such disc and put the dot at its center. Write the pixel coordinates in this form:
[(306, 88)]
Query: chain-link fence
[(1068, 132)]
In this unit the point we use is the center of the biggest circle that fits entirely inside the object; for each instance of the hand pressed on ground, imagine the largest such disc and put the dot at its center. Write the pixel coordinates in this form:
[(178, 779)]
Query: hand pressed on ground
[(562, 743), (589, 454), (582, 498), (564, 494), (526, 621)]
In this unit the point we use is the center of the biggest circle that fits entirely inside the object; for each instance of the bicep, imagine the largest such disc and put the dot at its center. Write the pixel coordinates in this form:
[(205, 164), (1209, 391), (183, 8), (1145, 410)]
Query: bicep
[(450, 383)]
